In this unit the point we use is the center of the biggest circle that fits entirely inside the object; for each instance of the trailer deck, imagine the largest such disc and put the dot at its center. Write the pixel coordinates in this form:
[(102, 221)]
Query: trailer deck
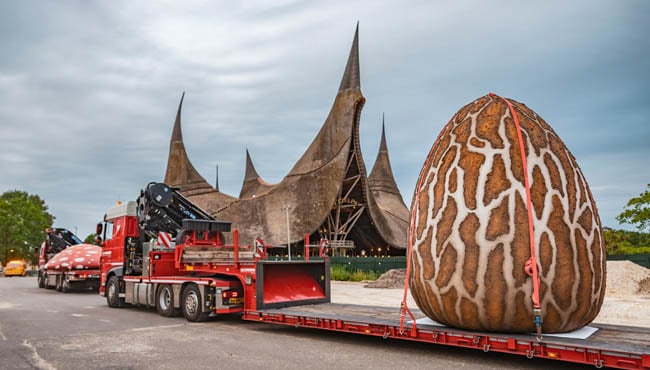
[(610, 345)]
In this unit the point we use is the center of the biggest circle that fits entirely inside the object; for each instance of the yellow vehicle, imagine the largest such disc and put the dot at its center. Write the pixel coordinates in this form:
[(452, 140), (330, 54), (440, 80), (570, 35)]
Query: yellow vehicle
[(15, 268)]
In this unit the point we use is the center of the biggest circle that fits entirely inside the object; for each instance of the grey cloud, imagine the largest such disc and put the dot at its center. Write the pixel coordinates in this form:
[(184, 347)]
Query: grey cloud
[(90, 89)]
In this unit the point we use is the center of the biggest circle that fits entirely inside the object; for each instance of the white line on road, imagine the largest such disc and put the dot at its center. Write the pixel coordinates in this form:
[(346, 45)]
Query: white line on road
[(157, 327), (39, 362)]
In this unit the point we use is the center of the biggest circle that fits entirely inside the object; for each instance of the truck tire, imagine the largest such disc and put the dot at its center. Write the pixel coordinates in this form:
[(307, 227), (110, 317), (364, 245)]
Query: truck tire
[(41, 280), (165, 301), (192, 304), (113, 293), (59, 282), (45, 282), (65, 285)]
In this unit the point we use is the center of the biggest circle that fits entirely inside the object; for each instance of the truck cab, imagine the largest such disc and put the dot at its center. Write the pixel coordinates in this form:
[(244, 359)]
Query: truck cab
[(118, 232)]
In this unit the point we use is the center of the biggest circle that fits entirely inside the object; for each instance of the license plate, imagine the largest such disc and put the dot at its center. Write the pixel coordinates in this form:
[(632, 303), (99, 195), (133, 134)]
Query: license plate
[(236, 300)]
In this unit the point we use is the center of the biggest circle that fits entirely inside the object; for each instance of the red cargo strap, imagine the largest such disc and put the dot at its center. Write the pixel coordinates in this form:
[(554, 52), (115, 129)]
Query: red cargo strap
[(404, 307), (531, 265)]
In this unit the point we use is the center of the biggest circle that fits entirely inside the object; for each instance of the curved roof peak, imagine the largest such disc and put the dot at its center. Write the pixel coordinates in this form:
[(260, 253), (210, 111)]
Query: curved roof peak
[(251, 173), (352, 77), (180, 171), (382, 145), (381, 176), (177, 134)]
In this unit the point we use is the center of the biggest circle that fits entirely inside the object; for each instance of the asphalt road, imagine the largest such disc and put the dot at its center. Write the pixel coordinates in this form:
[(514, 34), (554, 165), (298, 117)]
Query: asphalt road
[(45, 329)]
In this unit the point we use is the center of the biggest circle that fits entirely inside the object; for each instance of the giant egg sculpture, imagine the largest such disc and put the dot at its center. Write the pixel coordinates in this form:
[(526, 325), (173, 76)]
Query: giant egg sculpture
[(471, 226)]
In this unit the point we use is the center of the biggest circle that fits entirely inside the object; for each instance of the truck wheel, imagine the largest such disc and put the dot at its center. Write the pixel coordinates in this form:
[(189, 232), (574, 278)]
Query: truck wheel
[(165, 302), (41, 281), (65, 285), (59, 283), (113, 293), (45, 282), (192, 305)]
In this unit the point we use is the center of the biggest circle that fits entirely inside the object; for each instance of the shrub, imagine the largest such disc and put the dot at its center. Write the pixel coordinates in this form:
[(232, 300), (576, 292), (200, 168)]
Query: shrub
[(342, 273)]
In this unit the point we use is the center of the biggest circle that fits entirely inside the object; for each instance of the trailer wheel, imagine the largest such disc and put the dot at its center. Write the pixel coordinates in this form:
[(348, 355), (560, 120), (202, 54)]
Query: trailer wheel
[(65, 285), (41, 280), (59, 283), (165, 302), (45, 282), (192, 306), (113, 293)]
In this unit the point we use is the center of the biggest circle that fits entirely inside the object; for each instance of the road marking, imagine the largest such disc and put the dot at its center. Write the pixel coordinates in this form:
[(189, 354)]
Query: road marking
[(157, 327), (6, 305), (2, 335), (78, 315), (39, 362)]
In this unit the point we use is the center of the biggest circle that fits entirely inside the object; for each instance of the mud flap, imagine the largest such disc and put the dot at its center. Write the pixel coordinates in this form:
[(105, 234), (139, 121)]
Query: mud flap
[(292, 283)]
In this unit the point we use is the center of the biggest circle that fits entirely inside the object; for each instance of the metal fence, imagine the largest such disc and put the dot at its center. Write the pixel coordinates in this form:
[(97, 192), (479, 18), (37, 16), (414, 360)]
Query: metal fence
[(365, 264), (378, 265), (639, 259), (382, 264)]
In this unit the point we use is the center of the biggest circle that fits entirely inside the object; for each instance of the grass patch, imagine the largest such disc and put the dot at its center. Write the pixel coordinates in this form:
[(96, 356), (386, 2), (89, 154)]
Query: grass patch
[(342, 273)]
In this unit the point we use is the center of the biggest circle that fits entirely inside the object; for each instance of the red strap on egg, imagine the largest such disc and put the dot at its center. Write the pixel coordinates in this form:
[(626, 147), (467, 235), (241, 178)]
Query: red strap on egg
[(530, 266)]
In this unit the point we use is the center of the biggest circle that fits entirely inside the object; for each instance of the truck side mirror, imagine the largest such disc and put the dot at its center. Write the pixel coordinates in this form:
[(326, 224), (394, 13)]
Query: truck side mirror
[(99, 229)]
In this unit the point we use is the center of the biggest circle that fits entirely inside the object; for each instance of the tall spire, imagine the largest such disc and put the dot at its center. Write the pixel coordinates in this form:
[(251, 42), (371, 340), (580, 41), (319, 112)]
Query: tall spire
[(351, 76), (381, 177), (251, 173), (382, 145), (216, 182), (177, 134), (253, 185), (180, 171)]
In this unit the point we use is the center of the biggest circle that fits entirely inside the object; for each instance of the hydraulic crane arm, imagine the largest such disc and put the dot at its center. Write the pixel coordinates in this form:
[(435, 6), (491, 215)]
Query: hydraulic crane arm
[(162, 208)]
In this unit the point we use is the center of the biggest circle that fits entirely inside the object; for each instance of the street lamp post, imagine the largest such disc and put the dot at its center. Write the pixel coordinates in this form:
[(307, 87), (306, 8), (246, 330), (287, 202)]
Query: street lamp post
[(286, 209)]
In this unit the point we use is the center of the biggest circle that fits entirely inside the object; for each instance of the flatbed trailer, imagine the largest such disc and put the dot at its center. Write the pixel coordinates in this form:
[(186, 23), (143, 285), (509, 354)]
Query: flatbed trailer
[(613, 346), (67, 280)]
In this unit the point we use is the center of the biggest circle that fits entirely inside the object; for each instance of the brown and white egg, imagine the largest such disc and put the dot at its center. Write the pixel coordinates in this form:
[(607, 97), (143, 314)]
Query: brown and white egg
[(471, 230)]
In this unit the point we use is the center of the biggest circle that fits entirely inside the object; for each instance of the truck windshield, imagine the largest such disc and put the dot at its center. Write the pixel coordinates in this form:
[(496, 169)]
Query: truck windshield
[(59, 239)]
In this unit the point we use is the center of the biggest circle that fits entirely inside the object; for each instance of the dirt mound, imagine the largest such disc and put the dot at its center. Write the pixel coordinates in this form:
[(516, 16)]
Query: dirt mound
[(390, 279), (644, 287), (625, 278)]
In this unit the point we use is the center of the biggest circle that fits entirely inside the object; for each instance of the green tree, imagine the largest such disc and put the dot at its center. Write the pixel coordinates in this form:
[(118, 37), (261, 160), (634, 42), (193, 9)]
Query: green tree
[(625, 241), (90, 239), (23, 220), (637, 211)]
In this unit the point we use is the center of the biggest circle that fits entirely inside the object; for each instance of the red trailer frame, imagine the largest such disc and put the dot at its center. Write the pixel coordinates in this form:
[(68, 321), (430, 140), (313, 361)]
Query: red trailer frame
[(612, 345)]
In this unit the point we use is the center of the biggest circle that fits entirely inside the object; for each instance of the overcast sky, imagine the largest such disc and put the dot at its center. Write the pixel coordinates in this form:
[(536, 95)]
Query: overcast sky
[(89, 89)]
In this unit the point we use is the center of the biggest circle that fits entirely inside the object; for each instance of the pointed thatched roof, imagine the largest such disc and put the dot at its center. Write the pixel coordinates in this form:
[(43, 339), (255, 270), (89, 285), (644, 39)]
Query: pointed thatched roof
[(316, 183), (253, 184), (385, 192), (179, 168), (182, 174)]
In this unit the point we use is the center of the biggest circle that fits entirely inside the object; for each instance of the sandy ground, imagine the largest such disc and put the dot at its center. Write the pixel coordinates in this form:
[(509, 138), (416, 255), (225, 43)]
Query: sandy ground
[(624, 303)]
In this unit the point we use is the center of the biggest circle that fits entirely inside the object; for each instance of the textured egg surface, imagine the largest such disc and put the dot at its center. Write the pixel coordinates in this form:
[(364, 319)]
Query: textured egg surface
[(471, 228)]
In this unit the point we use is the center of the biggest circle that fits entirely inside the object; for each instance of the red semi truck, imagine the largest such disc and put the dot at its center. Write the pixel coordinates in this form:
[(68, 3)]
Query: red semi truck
[(66, 263), (200, 276)]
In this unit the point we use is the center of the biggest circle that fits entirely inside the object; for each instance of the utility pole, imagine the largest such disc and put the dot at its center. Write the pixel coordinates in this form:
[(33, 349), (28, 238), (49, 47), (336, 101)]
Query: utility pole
[(286, 208)]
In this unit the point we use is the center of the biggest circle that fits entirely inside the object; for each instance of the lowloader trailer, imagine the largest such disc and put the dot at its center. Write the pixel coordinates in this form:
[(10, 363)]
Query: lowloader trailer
[(199, 276), (612, 346)]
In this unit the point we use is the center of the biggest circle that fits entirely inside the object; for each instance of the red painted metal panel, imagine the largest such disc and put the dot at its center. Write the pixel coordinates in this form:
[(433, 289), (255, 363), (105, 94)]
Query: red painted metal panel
[(290, 283), (486, 342)]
